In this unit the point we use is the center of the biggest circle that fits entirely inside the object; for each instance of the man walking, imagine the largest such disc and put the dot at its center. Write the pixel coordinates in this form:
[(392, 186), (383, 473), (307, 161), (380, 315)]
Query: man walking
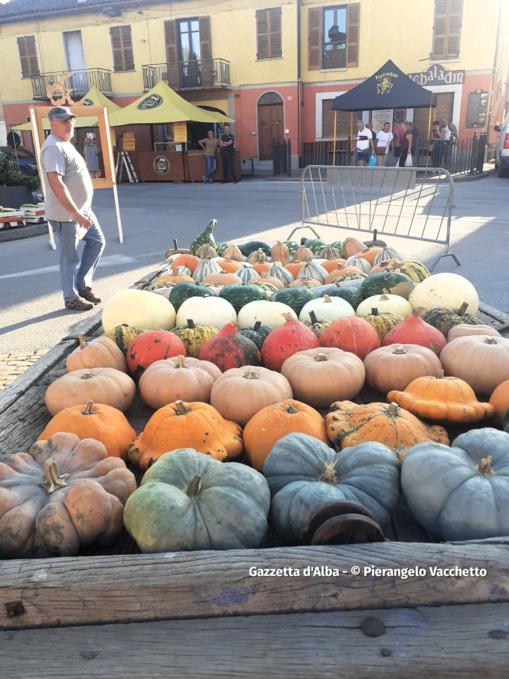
[(227, 142), (363, 143), (69, 192)]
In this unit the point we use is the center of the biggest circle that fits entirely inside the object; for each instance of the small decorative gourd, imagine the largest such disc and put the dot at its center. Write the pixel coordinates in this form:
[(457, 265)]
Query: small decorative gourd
[(193, 337), (206, 237)]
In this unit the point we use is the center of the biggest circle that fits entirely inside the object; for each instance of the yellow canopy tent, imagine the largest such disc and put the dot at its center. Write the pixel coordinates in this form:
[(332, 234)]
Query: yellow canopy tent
[(162, 105), (92, 98)]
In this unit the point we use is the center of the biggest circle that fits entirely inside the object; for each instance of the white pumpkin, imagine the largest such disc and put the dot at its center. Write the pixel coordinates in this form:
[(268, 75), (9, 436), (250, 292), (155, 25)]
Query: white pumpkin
[(393, 304), (326, 309), (139, 309), (268, 313), (214, 311), (446, 291)]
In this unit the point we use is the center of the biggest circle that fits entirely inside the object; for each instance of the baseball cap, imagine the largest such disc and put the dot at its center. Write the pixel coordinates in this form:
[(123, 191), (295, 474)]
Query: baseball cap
[(60, 113)]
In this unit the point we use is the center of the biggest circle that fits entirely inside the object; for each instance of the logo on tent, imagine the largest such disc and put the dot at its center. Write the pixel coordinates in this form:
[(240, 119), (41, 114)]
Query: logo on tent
[(385, 83), (152, 101), (87, 102), (161, 165)]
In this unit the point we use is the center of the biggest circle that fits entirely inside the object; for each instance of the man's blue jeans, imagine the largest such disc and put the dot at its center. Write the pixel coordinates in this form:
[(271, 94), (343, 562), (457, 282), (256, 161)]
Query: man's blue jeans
[(76, 273), (210, 166)]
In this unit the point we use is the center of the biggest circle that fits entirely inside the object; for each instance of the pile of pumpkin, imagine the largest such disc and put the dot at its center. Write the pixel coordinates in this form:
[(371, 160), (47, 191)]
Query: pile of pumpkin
[(247, 368)]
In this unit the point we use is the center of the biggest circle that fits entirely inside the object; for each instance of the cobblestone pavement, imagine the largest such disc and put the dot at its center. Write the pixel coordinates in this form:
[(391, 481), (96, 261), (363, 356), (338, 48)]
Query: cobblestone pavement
[(15, 363)]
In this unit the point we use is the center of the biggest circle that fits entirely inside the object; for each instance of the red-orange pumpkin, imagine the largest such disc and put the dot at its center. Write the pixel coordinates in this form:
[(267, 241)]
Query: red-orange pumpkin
[(229, 349), (414, 330), (352, 334), (285, 341), (150, 346)]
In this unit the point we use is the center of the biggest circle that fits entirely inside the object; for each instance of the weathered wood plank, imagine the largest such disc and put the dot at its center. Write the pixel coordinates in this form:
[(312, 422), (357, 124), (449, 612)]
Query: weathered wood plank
[(450, 641), (122, 588)]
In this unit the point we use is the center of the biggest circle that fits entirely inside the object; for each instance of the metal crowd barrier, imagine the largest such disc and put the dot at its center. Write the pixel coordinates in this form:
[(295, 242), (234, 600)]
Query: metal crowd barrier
[(413, 203)]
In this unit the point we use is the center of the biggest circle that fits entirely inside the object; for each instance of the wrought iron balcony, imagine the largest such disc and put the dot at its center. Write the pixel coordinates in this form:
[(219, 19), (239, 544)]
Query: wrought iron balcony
[(77, 81), (188, 75)]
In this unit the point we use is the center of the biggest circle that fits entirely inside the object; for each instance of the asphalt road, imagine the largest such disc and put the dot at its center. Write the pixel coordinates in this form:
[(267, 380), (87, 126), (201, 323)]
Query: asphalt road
[(31, 309)]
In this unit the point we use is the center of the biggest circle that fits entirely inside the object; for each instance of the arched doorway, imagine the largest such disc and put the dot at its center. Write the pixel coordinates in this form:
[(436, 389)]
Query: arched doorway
[(270, 123)]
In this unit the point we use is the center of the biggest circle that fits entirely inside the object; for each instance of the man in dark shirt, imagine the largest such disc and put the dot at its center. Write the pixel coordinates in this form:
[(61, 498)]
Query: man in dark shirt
[(227, 142)]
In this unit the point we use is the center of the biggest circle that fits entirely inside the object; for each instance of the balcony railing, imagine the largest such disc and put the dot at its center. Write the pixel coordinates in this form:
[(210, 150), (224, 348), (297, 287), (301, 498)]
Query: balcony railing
[(188, 75), (79, 82)]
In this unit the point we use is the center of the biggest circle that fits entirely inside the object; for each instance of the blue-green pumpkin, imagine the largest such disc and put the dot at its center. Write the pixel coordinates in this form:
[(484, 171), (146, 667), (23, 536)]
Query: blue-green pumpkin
[(183, 291), (253, 245), (392, 282), (294, 297), (240, 295)]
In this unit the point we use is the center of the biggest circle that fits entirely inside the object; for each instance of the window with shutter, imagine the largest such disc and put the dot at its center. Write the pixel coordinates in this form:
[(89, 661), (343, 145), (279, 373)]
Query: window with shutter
[(122, 47), (28, 56), (352, 35), (314, 38), (447, 29), (345, 121), (334, 37), (268, 33), (172, 69)]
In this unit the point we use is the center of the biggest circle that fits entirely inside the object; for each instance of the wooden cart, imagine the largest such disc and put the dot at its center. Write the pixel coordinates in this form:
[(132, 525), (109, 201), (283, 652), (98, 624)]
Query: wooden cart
[(204, 614)]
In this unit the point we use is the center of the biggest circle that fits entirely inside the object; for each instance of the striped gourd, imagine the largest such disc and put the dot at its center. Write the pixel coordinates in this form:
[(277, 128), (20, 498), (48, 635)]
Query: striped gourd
[(359, 262), (193, 337), (314, 271), (247, 273), (278, 271), (205, 268), (123, 335), (387, 254), (382, 323), (445, 319), (206, 237)]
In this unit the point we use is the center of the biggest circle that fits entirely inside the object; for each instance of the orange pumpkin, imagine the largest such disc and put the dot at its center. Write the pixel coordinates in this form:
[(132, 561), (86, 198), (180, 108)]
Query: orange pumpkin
[(331, 265), (370, 254), (499, 399), (342, 271), (261, 267), (295, 267), (191, 261), (229, 265), (222, 278), (276, 421), (186, 425), (101, 352), (94, 421), (276, 282), (172, 277)]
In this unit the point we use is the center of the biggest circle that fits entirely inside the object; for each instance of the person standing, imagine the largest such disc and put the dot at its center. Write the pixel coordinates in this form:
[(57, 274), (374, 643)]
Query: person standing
[(414, 149), (209, 145), (227, 145), (363, 143), (437, 144), (383, 143), (405, 143), (69, 192), (91, 155)]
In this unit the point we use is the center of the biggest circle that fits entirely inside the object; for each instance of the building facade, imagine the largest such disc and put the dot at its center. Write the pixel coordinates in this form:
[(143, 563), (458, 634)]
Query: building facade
[(274, 66)]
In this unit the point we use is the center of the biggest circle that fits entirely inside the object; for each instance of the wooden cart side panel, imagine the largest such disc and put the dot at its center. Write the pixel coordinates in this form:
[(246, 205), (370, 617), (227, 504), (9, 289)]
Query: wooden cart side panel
[(461, 641), (143, 587)]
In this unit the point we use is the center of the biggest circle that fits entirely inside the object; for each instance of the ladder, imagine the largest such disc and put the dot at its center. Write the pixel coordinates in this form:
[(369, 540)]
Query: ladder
[(124, 162)]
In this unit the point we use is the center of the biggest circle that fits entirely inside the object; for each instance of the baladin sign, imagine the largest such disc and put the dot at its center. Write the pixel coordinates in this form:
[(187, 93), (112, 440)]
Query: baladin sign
[(384, 82), (437, 75), (152, 101)]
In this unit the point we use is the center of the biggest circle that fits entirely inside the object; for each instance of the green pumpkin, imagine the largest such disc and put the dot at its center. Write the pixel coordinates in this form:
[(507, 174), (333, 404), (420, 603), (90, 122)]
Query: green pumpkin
[(206, 237), (295, 297), (461, 492), (304, 474), (190, 501), (257, 334), (444, 319), (382, 323), (193, 337), (391, 282), (253, 245), (291, 245), (349, 292), (220, 248), (338, 244), (240, 295), (123, 335), (183, 291)]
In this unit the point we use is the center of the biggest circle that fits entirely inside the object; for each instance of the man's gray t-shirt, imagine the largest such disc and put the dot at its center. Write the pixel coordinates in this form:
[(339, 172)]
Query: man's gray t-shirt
[(62, 157)]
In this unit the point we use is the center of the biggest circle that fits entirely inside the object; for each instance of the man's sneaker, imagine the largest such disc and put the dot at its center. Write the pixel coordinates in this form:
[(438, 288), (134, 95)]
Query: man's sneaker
[(78, 304), (87, 294)]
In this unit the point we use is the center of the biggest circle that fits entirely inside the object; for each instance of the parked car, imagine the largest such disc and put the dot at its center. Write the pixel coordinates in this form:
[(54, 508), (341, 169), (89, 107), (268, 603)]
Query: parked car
[(502, 152), (23, 158)]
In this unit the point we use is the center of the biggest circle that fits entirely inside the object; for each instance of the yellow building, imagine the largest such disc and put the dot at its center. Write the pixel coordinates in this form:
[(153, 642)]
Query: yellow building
[(273, 66)]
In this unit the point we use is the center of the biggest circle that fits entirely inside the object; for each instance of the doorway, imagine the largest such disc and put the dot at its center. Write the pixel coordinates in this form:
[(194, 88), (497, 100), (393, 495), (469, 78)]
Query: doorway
[(189, 52), (270, 123), (75, 58)]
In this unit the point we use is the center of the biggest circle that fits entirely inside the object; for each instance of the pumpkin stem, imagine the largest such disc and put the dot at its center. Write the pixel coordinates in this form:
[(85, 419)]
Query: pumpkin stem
[(393, 409), (88, 409), (252, 375), (182, 409), (257, 325), (484, 466), (82, 341), (291, 409), (181, 363), (329, 474), (86, 376), (313, 317), (320, 356), (440, 375), (288, 317), (384, 298), (190, 323), (374, 311), (194, 486), (490, 340), (53, 480), (462, 309), (400, 350), (326, 298)]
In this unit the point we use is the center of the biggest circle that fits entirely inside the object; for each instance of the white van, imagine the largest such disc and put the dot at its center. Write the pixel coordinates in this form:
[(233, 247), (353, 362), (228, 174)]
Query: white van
[(502, 153)]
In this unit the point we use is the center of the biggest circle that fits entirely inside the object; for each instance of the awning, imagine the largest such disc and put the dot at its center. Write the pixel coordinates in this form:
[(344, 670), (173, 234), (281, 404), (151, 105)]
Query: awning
[(162, 105), (388, 88)]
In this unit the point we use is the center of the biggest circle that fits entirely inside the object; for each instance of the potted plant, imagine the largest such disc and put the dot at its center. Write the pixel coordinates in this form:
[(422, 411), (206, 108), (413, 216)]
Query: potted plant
[(16, 188)]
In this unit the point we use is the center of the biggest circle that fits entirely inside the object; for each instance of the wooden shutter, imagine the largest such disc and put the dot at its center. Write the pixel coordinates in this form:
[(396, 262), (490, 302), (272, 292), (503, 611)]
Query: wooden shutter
[(268, 33), (28, 56), (170, 38), (353, 16), (314, 38), (122, 47), (345, 121), (454, 27), (275, 38), (206, 71), (447, 28)]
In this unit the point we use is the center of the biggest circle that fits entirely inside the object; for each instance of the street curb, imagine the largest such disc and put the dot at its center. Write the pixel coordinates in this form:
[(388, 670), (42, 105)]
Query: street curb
[(23, 232)]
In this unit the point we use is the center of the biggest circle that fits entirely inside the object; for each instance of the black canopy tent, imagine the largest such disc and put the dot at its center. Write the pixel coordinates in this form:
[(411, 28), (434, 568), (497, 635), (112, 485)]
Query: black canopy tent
[(387, 88)]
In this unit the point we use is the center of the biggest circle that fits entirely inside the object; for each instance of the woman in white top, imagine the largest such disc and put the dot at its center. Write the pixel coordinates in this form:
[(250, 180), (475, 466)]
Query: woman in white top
[(383, 143)]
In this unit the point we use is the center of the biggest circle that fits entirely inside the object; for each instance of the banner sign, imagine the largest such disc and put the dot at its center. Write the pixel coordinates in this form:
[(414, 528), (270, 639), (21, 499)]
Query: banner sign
[(438, 75)]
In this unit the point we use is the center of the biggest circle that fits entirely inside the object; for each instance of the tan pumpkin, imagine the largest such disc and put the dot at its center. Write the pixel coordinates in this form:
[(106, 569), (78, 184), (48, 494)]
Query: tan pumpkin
[(352, 246), (94, 421), (466, 330), (280, 252), (321, 376), (178, 378), (272, 280), (481, 360), (303, 254), (223, 278), (350, 424), (233, 252), (101, 385), (206, 251), (396, 365), (305, 282), (239, 393), (229, 265), (101, 352), (172, 277)]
